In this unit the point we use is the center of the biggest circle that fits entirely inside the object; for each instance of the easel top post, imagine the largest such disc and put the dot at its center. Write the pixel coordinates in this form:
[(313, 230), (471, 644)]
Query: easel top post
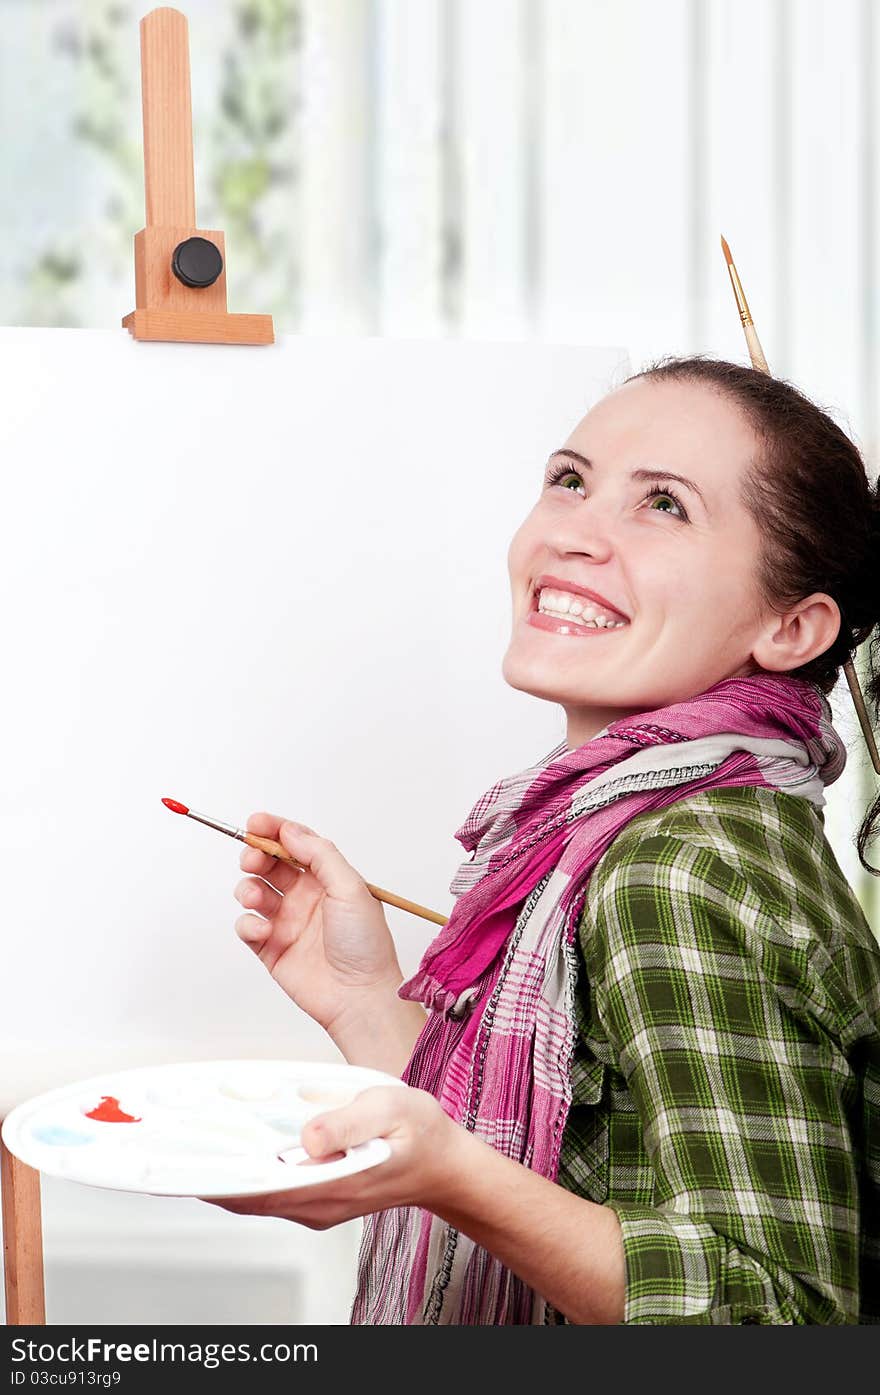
[(169, 179)]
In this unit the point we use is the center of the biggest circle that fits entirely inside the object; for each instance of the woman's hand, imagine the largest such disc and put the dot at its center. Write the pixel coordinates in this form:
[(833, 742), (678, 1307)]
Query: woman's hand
[(424, 1141), (324, 938), (565, 1247)]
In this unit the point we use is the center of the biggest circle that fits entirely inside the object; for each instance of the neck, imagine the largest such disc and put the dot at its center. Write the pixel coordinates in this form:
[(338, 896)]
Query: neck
[(583, 725)]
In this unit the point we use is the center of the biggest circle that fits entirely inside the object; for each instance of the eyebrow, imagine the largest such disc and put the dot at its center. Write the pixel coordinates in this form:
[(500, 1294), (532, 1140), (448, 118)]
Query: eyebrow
[(640, 474)]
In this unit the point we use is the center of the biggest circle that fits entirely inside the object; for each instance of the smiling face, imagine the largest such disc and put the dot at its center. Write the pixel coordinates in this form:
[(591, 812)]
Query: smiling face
[(681, 564)]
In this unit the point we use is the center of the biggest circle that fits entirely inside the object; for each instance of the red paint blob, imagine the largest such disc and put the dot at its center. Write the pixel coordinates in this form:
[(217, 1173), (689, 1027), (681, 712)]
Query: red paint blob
[(108, 1112), (175, 808)]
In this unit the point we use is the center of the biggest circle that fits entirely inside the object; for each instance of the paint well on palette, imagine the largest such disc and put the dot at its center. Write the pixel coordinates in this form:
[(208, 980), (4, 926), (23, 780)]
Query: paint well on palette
[(199, 1135), (242, 1088), (109, 1112), (285, 1128), (245, 1130), (59, 1136), (328, 1095), (286, 1106)]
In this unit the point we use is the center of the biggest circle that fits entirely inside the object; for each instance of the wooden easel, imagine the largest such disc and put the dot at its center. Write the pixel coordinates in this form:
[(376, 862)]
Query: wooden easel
[(22, 1242), (180, 270), (180, 294)]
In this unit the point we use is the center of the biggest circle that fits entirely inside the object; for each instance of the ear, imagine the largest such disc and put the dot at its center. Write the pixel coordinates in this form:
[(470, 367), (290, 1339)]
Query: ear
[(803, 633)]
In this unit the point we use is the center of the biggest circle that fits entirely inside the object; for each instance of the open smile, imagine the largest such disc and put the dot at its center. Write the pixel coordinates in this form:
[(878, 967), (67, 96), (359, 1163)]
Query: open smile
[(565, 614)]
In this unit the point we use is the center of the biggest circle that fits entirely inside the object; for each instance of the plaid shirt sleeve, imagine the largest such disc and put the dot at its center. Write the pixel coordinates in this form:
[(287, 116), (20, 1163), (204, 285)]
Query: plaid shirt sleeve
[(730, 1052)]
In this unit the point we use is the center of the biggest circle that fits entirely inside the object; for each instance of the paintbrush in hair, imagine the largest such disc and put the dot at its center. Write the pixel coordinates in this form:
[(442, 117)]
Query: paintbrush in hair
[(756, 354), (268, 845)]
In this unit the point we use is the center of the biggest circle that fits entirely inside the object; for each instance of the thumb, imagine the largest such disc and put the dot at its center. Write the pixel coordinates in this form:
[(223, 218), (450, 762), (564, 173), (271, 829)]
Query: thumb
[(324, 860), (368, 1116)]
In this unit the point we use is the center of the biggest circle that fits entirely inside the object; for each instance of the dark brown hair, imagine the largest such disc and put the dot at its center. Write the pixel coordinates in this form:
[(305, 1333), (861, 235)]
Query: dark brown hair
[(818, 513)]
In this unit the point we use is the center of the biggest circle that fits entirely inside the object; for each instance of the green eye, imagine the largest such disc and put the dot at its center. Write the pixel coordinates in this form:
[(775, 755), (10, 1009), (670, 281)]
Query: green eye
[(658, 492), (560, 474), (564, 476)]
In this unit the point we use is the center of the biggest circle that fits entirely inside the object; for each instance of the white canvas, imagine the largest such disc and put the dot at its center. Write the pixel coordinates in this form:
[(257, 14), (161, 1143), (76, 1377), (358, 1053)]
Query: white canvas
[(246, 578)]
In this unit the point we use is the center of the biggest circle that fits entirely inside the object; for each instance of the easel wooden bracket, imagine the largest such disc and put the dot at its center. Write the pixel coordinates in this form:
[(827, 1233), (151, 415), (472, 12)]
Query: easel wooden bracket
[(179, 269)]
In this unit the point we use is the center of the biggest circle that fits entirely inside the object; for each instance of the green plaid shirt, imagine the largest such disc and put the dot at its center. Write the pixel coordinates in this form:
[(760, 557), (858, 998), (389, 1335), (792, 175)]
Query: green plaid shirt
[(726, 1079)]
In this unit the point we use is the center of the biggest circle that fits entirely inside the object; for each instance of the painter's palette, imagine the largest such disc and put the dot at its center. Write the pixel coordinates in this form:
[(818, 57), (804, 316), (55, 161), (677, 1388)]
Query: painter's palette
[(204, 1128)]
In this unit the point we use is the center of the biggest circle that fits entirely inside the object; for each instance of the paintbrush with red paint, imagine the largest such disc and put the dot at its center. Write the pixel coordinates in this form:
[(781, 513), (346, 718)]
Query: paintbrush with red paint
[(268, 845)]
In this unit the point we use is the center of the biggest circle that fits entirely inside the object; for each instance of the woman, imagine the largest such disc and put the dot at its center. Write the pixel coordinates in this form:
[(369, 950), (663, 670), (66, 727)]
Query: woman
[(644, 1053)]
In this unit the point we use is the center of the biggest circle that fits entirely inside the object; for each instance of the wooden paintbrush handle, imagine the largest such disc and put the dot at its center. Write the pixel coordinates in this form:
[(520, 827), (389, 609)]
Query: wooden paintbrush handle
[(268, 845)]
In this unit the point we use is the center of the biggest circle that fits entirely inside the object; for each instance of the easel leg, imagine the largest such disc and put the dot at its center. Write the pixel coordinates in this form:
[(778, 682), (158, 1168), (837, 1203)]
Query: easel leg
[(22, 1242)]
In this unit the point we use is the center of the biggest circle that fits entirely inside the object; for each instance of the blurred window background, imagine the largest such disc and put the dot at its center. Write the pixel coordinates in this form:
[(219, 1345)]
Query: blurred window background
[(555, 170)]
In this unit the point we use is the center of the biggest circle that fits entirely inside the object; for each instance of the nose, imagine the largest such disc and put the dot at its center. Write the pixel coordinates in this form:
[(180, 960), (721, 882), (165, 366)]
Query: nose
[(586, 530)]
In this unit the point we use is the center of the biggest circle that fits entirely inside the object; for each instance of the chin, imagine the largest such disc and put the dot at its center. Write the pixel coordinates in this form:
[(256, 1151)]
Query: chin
[(517, 675)]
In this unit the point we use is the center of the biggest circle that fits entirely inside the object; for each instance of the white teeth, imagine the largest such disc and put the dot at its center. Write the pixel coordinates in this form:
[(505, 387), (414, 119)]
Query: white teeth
[(565, 606), (560, 615)]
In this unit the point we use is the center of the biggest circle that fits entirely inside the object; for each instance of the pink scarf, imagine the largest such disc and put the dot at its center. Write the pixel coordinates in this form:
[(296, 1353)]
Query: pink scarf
[(499, 979)]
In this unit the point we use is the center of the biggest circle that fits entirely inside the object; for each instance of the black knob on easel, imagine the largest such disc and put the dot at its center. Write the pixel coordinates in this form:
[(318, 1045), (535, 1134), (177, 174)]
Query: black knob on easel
[(196, 262)]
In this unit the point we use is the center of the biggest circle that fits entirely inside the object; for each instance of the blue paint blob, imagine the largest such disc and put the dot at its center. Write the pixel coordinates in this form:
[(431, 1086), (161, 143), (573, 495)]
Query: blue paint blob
[(58, 1135), (286, 1128)]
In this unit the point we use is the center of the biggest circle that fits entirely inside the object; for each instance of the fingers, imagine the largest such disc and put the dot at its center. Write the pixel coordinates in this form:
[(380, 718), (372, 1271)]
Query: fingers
[(238, 1205), (324, 860), (315, 1210), (257, 896), (253, 930), (278, 874)]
